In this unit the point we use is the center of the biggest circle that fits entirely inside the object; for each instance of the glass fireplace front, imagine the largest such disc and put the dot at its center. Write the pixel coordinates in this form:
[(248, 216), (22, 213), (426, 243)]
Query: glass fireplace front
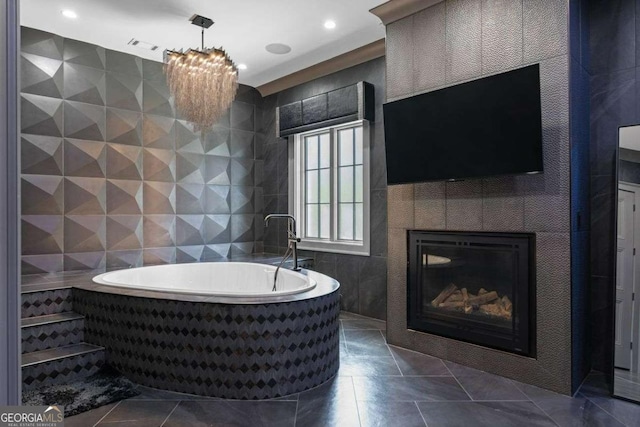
[(473, 286)]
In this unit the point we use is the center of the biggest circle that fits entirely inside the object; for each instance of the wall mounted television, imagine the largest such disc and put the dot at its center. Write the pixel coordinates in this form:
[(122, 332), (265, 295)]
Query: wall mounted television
[(483, 128)]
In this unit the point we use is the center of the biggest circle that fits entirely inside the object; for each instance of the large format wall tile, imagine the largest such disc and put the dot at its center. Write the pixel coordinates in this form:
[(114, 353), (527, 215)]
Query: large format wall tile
[(41, 76), (36, 42), (84, 84), (42, 195), (501, 35), (429, 54), (85, 158), (84, 121), (124, 127), (82, 53), (41, 155), (41, 115), (124, 91), (464, 39)]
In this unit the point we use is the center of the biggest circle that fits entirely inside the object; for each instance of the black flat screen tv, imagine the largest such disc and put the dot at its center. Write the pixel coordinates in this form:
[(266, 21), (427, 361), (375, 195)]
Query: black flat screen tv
[(483, 128)]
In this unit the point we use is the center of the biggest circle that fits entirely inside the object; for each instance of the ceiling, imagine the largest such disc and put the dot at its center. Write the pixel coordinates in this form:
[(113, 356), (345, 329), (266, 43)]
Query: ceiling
[(242, 27)]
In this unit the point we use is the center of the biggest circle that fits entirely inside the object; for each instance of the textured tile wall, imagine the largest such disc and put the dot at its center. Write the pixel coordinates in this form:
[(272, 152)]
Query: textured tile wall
[(362, 279), (111, 174), (468, 39)]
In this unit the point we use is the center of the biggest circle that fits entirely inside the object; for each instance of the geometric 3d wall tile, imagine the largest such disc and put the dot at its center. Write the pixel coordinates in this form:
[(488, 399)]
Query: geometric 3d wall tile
[(218, 170), (217, 229), (123, 63), (42, 195), (217, 140), (186, 254), (213, 252), (159, 231), (242, 116), (85, 158), (153, 71), (41, 76), (242, 200), (40, 43), (157, 99), (158, 132), (37, 264), (124, 91), (159, 198), (84, 233), (124, 127), (242, 228), (242, 248), (159, 165), (86, 54), (41, 115), (242, 171), (190, 230), (156, 256), (124, 197), (190, 199), (124, 259), (84, 84), (41, 155), (84, 261), (124, 162), (124, 232), (84, 121), (242, 144), (42, 234), (218, 199), (187, 139), (85, 196), (190, 168)]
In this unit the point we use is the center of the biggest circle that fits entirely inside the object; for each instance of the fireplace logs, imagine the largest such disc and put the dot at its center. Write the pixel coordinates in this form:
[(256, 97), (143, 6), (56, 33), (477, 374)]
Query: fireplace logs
[(485, 302)]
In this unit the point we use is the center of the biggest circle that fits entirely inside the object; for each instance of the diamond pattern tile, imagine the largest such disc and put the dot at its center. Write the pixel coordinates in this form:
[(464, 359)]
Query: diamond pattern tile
[(190, 168), (159, 198), (124, 197), (187, 139), (84, 84), (62, 371), (42, 234), (159, 165), (217, 228), (217, 141), (242, 200), (159, 231), (40, 43), (190, 198), (41, 155), (242, 144), (124, 162), (42, 195), (43, 337), (84, 196), (159, 132), (186, 254), (40, 115), (37, 264), (86, 54), (85, 158), (218, 198), (155, 256), (124, 232), (190, 230), (84, 261), (124, 91), (124, 259), (218, 170), (84, 121), (241, 172), (41, 75), (242, 228), (46, 302), (84, 233), (157, 98), (124, 127)]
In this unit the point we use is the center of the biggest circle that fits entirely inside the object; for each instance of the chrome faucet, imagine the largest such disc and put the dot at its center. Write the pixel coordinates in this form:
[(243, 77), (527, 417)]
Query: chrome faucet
[(292, 239)]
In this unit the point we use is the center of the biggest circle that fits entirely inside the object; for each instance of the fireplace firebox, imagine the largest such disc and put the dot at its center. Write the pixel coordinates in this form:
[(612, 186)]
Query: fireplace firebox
[(474, 286)]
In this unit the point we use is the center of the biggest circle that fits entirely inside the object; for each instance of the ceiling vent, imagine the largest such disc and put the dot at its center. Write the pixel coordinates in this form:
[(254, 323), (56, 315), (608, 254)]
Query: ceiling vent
[(143, 45)]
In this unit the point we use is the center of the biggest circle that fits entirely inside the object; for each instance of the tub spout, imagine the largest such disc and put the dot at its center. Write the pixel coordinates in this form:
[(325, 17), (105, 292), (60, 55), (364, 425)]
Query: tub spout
[(292, 239)]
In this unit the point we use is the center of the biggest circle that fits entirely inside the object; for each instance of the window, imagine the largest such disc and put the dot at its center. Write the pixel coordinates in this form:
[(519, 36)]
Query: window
[(329, 189)]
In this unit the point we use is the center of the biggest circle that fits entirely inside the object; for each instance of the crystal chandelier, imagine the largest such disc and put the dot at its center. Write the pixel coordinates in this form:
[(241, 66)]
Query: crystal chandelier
[(202, 82)]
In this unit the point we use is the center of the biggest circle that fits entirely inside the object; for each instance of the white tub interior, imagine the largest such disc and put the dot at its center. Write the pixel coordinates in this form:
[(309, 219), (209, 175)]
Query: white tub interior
[(212, 278)]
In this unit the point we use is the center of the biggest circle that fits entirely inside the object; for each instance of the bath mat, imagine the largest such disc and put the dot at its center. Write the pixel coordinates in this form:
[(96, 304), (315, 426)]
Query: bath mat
[(104, 387)]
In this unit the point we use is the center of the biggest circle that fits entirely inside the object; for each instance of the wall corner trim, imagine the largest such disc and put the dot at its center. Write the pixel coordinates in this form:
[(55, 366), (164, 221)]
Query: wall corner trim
[(346, 60), (394, 10)]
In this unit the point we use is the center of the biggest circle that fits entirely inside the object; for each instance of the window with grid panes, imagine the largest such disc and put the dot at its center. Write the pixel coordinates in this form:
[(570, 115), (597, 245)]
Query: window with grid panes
[(330, 194)]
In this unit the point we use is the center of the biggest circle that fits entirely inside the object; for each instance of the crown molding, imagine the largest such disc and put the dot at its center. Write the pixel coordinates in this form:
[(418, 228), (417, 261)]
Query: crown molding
[(346, 60), (394, 10)]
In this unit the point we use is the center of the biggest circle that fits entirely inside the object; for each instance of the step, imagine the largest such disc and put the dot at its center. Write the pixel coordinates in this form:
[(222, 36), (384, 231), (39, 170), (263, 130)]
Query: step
[(51, 331), (61, 365), (49, 301)]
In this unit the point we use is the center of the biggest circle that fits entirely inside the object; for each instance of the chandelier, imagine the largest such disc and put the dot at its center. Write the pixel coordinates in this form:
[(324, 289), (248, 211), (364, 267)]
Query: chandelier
[(202, 82)]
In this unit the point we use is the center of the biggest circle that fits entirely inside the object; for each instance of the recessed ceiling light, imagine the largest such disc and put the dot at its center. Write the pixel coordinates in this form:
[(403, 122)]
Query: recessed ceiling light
[(329, 25), (278, 48), (242, 66), (69, 14)]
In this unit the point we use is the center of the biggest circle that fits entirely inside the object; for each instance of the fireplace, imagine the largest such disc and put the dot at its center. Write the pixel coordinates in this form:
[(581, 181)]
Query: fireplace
[(475, 287)]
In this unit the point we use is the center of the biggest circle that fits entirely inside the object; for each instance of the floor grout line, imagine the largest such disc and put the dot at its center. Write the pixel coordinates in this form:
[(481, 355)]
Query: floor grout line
[(421, 414), (392, 355), (105, 415), (295, 417), (595, 403), (458, 381), (355, 396), (171, 413)]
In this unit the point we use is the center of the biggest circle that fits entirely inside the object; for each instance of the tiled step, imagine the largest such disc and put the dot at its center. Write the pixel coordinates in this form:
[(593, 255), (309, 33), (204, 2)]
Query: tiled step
[(43, 302), (52, 330), (61, 365)]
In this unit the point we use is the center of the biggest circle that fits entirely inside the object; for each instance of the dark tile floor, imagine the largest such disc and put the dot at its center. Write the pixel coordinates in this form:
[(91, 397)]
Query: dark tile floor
[(379, 385)]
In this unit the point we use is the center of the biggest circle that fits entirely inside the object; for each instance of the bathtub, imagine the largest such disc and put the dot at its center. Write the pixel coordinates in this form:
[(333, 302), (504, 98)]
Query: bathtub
[(216, 329)]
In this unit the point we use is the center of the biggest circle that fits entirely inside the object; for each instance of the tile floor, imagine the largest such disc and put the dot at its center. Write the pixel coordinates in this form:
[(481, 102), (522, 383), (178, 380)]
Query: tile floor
[(627, 384), (379, 385)]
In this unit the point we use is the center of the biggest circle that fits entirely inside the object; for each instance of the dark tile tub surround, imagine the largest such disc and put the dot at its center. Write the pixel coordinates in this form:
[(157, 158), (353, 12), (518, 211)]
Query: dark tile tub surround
[(113, 177), (362, 279), (460, 40)]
